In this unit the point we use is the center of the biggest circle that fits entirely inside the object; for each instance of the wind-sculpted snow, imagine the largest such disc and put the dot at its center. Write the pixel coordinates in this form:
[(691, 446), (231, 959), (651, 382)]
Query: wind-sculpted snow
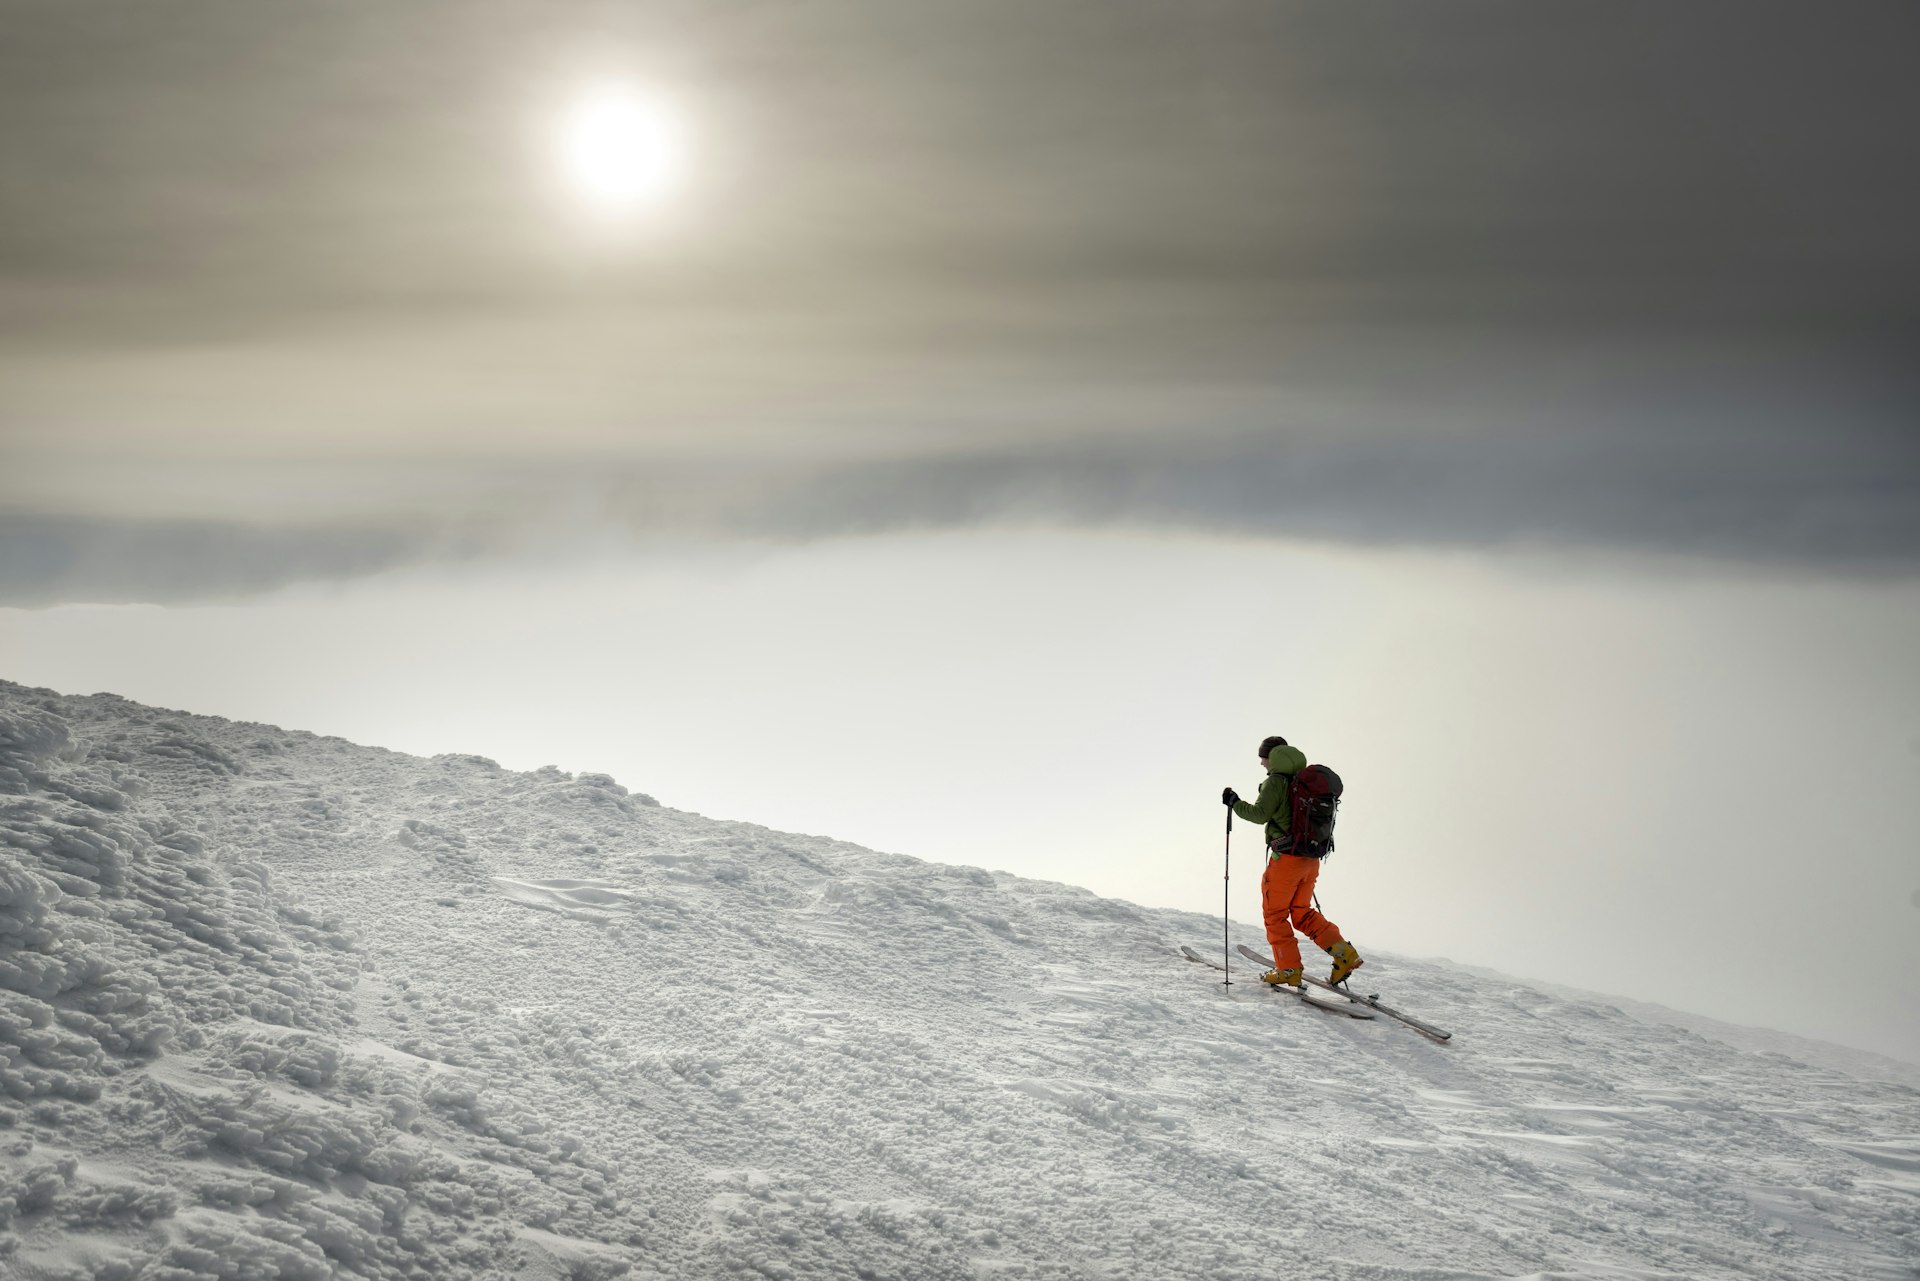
[(278, 1006)]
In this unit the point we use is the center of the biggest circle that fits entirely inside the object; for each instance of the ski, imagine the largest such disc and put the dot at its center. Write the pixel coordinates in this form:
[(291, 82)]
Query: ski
[(1370, 1002), (1192, 955), (1373, 1003), (1331, 1007), (1351, 1011)]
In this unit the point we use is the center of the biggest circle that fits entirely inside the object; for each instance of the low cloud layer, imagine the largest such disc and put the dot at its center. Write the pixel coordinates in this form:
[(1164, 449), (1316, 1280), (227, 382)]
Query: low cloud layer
[(1841, 507), (48, 560)]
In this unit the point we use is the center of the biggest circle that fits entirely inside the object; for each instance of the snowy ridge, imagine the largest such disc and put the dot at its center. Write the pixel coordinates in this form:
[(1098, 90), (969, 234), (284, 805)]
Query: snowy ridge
[(278, 1006)]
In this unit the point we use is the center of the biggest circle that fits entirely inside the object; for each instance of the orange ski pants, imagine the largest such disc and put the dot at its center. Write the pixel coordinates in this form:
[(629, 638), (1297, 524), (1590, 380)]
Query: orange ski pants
[(1286, 900)]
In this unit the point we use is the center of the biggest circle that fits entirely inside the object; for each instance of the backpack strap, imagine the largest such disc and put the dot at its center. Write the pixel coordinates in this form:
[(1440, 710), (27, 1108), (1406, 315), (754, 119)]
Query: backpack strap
[(1283, 843)]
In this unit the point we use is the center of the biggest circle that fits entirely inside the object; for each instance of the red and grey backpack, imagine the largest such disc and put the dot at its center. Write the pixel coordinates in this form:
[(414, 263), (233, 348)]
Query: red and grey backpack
[(1313, 801)]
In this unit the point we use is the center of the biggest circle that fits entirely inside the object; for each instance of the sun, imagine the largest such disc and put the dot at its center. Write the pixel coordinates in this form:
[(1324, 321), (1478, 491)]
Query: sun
[(620, 149)]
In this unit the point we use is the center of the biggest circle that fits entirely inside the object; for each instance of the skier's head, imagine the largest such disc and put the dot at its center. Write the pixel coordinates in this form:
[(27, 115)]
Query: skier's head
[(1268, 744)]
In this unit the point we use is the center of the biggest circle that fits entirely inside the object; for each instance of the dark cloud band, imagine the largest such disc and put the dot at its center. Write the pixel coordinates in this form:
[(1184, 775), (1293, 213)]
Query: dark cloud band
[(1839, 507)]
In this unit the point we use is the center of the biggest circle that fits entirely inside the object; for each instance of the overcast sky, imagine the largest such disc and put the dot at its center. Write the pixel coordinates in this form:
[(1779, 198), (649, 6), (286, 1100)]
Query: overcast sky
[(1008, 414), (289, 289)]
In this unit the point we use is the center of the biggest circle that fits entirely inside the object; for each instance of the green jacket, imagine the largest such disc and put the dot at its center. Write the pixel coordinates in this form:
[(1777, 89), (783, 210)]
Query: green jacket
[(1270, 807)]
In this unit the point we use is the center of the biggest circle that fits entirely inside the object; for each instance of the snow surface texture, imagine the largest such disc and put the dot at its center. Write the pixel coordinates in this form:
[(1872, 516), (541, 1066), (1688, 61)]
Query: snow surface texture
[(277, 1006)]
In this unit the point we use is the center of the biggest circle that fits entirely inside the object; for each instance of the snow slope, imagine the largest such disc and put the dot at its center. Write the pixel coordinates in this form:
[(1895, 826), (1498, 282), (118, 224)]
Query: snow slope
[(278, 1006)]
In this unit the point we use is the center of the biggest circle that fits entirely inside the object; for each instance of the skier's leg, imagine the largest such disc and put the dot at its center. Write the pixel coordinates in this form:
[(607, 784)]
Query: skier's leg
[(1346, 959), (1276, 899), (1304, 917)]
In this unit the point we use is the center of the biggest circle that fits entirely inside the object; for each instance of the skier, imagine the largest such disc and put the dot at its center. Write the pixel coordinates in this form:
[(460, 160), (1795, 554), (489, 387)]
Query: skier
[(1286, 887)]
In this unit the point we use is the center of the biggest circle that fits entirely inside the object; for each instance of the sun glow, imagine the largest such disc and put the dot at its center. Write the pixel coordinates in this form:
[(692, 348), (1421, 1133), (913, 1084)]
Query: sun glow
[(621, 150)]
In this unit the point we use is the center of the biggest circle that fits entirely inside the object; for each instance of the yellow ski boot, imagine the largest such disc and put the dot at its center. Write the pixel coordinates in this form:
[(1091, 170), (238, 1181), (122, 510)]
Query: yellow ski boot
[(1282, 978), (1345, 961)]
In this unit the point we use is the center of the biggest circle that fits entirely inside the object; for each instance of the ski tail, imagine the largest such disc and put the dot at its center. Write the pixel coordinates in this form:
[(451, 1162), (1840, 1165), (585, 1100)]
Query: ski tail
[(1192, 955)]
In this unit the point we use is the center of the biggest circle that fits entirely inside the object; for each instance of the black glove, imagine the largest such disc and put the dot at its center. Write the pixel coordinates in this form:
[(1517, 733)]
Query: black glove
[(1229, 797)]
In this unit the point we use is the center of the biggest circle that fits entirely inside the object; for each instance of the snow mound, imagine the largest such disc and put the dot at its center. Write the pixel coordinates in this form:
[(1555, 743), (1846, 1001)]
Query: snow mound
[(275, 1006)]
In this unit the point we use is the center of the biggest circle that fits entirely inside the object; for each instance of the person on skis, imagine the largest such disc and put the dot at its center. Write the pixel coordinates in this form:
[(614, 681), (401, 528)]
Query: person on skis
[(1286, 887)]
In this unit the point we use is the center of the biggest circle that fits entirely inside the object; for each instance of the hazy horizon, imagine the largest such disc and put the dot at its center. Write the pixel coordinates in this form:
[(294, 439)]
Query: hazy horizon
[(1011, 414), (1628, 782)]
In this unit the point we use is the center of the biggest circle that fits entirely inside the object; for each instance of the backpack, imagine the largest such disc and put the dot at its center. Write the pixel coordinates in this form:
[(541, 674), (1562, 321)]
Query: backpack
[(1313, 798)]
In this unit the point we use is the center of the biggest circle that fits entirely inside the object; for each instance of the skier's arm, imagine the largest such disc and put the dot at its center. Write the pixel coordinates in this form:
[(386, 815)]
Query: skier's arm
[(1273, 794)]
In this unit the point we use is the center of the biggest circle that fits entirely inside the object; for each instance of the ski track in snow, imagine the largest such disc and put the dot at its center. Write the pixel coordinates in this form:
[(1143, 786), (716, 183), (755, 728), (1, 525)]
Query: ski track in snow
[(275, 1005)]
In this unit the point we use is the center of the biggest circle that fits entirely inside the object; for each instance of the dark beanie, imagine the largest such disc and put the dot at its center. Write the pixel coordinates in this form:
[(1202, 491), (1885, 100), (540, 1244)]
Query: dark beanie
[(1268, 744)]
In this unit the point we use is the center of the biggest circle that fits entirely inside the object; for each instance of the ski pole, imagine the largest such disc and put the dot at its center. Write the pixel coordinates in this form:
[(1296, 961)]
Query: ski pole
[(1226, 902)]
